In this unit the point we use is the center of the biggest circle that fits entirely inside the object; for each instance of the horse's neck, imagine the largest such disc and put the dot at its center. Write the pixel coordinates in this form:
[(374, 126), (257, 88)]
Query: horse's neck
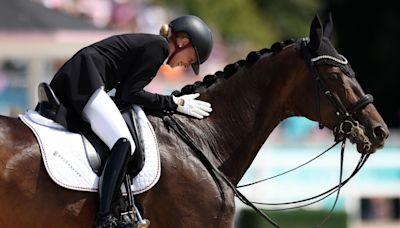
[(247, 107)]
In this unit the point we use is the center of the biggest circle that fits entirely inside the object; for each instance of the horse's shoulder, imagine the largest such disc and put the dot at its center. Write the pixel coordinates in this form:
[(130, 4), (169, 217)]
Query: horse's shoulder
[(19, 154)]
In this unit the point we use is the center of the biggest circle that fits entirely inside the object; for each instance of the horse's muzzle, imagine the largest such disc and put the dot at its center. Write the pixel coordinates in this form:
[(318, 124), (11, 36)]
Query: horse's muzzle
[(376, 137), (379, 136)]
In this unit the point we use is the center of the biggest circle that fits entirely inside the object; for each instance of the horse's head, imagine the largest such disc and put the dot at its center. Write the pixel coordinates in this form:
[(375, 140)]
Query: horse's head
[(340, 103)]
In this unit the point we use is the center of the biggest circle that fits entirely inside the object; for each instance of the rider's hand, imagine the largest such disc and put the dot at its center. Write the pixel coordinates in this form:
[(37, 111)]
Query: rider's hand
[(188, 105)]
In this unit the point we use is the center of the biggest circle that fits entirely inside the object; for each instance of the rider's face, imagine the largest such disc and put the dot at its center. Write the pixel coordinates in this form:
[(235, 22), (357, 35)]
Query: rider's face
[(185, 57)]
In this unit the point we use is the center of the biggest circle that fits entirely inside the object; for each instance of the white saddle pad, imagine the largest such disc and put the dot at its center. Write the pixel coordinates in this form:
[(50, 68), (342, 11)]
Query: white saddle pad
[(65, 159)]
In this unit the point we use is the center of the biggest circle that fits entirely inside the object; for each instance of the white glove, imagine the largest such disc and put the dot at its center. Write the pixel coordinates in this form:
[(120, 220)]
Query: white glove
[(188, 105)]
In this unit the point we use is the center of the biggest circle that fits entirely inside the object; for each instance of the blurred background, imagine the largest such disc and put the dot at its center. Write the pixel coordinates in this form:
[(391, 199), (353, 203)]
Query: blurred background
[(38, 36)]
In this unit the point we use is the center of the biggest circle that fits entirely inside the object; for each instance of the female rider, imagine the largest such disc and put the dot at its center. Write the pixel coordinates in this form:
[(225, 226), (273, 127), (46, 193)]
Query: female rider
[(128, 62)]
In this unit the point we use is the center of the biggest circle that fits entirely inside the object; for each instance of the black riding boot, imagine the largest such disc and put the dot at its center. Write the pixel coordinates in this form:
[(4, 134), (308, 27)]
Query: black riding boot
[(110, 181)]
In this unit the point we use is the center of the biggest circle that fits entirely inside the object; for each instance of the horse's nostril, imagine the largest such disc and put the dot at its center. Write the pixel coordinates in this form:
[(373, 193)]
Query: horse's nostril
[(380, 132)]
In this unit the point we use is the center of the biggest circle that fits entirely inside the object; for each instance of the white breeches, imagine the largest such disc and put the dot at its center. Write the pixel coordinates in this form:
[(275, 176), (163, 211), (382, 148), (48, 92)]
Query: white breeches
[(105, 119)]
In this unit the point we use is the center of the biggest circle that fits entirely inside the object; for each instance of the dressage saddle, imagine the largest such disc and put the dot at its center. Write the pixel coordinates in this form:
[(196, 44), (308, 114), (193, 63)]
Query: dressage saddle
[(50, 107)]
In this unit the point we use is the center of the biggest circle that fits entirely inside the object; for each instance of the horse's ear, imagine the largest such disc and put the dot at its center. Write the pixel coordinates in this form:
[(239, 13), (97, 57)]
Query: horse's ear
[(328, 26), (315, 34)]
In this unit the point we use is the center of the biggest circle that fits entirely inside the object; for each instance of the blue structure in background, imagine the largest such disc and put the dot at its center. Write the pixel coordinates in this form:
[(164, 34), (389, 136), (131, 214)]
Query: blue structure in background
[(298, 127), (13, 98)]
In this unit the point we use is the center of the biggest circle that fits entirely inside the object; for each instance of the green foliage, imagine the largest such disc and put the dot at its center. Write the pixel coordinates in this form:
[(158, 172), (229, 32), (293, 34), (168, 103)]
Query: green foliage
[(291, 18), (297, 218), (255, 23)]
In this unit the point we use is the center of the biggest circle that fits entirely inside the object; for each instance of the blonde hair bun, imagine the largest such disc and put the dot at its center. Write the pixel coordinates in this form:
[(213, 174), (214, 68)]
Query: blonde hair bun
[(164, 30)]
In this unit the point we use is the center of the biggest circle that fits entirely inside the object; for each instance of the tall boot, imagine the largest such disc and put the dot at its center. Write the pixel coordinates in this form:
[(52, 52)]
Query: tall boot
[(110, 181)]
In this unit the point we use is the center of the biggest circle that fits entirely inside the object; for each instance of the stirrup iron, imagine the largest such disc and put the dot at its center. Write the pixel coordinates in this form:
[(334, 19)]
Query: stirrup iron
[(133, 213)]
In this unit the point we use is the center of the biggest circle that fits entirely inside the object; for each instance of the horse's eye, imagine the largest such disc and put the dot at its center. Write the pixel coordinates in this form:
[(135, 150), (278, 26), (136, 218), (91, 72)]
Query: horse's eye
[(333, 75)]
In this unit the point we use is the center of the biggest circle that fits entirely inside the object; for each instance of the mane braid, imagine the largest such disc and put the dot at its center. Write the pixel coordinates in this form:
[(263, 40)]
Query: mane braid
[(232, 68)]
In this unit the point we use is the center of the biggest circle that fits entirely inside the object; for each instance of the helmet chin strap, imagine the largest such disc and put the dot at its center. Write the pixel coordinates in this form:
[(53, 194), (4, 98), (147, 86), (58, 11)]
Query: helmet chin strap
[(177, 47)]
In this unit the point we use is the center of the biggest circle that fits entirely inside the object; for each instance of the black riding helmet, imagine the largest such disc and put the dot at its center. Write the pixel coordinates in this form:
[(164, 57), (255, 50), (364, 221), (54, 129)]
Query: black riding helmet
[(199, 34)]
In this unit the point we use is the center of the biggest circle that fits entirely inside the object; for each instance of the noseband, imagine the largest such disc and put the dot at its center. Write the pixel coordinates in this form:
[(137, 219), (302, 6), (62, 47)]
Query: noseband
[(346, 126)]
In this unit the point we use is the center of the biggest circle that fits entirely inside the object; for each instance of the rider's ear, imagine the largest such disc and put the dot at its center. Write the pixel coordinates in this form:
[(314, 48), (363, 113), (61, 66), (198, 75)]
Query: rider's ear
[(182, 41), (315, 34), (328, 26)]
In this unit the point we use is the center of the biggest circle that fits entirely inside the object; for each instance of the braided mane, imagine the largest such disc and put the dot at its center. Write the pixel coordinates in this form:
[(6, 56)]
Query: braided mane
[(232, 68)]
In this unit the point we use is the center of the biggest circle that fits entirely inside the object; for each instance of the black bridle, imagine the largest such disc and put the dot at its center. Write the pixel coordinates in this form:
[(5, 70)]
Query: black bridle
[(347, 127), (345, 122)]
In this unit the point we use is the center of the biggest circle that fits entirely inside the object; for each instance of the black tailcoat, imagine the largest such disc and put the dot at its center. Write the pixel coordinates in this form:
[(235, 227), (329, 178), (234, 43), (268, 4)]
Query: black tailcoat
[(127, 62)]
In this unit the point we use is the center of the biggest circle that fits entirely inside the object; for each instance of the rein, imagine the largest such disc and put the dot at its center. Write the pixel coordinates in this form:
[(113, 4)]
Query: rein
[(290, 170), (170, 122), (320, 196)]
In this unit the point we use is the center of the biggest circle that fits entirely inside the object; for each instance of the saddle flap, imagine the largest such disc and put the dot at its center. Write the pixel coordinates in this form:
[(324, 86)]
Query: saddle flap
[(137, 160)]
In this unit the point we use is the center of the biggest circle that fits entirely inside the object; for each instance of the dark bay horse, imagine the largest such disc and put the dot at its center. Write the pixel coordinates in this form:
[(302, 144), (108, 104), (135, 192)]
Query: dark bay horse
[(306, 77)]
